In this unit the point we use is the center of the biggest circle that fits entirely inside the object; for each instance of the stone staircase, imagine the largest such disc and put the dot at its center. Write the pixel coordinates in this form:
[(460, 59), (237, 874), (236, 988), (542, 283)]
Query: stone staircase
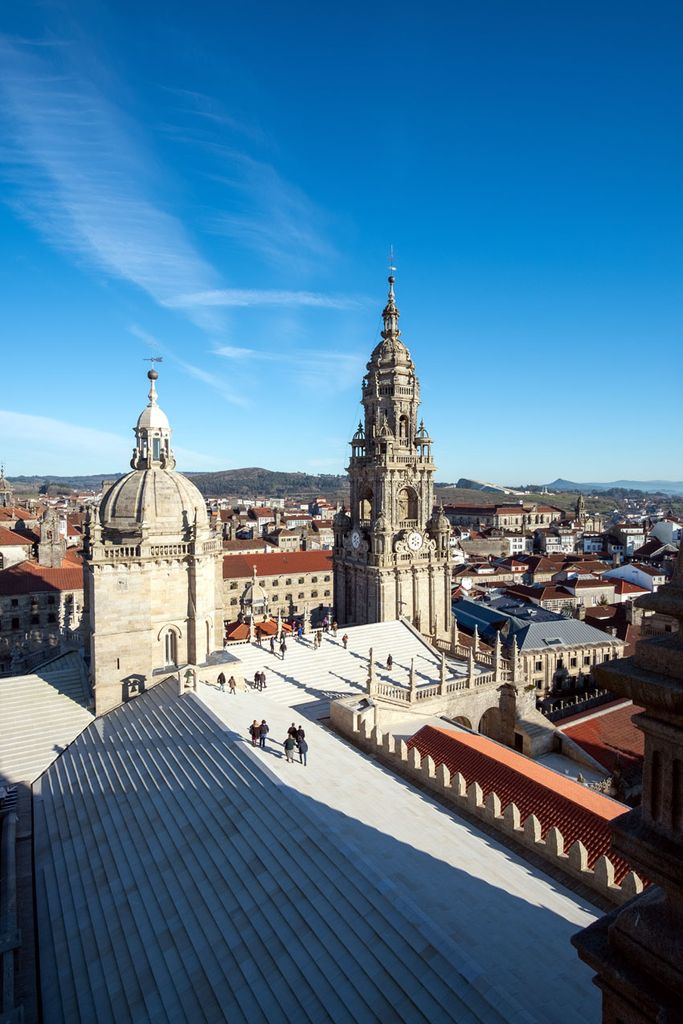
[(40, 714), (177, 880), (309, 678)]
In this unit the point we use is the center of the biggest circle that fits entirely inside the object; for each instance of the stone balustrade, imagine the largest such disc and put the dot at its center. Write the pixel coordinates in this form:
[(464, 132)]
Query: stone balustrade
[(573, 862)]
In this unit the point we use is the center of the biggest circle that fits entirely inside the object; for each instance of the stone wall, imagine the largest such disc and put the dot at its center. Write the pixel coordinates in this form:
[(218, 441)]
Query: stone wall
[(573, 862)]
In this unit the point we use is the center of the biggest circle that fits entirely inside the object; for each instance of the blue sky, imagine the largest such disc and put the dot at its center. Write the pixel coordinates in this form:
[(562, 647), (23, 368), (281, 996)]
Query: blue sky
[(219, 183)]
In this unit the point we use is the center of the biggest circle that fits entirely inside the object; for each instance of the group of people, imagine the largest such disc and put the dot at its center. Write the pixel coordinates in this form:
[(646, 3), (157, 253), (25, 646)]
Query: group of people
[(296, 739), (259, 680), (258, 732)]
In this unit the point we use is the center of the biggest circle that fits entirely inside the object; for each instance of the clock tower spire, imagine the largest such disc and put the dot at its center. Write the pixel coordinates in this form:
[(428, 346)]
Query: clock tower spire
[(391, 553)]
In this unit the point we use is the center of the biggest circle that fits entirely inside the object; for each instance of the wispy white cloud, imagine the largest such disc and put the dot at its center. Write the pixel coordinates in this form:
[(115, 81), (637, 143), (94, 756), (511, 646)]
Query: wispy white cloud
[(268, 214), (82, 181), (207, 377), (265, 297), (69, 447), (322, 370)]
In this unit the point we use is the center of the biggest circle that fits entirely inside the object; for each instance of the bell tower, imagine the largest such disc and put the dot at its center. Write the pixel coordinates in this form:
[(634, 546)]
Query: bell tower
[(391, 549)]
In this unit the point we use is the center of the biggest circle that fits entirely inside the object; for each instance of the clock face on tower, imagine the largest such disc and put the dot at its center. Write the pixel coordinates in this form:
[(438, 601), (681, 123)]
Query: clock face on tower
[(355, 539), (415, 540)]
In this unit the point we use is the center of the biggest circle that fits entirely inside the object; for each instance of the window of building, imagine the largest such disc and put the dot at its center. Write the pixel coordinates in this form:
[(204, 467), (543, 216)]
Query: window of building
[(52, 617), (539, 666), (171, 648), (50, 599), (327, 593), (288, 597), (572, 662), (233, 600), (586, 659), (288, 583), (314, 579), (326, 579), (301, 580), (233, 585), (35, 620), (15, 623), (275, 582), (300, 596), (314, 593), (14, 602)]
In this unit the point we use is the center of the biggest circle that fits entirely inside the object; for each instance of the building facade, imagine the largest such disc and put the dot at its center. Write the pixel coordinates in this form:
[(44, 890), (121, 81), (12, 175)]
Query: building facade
[(391, 549), (153, 571)]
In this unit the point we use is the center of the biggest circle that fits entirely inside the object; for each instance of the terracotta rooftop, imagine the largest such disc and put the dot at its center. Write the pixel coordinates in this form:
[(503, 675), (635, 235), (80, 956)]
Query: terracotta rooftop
[(236, 631), (31, 578), (276, 564), (578, 812), (13, 512), (11, 537), (608, 734)]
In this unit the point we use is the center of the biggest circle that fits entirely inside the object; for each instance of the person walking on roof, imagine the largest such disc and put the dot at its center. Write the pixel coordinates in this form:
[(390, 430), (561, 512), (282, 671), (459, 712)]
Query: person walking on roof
[(303, 751), (345, 640), (390, 663), (283, 649), (289, 745), (254, 732), (263, 732), (232, 685)]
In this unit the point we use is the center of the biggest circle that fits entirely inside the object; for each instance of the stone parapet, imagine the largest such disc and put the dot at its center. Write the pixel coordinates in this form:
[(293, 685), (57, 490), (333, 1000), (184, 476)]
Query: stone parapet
[(573, 861)]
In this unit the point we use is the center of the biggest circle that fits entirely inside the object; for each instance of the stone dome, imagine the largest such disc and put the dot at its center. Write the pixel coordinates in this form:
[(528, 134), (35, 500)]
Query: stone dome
[(153, 418), (163, 501)]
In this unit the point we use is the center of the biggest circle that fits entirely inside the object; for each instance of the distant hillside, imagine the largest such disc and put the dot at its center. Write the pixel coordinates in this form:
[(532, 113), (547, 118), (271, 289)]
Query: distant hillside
[(646, 486), (247, 483), (254, 482), (480, 485)]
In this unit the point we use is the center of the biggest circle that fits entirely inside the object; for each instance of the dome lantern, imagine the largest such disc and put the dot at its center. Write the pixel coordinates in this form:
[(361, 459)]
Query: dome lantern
[(152, 434)]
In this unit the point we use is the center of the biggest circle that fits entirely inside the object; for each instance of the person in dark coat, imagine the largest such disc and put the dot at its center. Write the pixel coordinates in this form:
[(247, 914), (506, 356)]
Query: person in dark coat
[(292, 731), (289, 745), (263, 732), (390, 663), (272, 645), (254, 732), (303, 751), (300, 734), (283, 649), (263, 680), (232, 684)]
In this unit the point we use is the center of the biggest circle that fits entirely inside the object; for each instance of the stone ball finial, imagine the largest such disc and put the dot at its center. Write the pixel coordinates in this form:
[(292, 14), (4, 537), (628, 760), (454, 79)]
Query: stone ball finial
[(152, 374)]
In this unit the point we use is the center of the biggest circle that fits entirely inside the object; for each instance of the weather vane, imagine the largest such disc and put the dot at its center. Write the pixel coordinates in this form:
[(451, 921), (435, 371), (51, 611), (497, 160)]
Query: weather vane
[(392, 266), (153, 359)]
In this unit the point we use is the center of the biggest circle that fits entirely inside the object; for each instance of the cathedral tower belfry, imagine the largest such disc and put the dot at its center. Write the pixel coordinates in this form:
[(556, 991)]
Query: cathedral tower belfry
[(391, 550)]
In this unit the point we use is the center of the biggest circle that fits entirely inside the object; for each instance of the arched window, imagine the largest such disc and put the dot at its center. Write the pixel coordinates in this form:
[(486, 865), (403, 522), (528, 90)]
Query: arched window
[(171, 648), (407, 505), (365, 504), (403, 427)]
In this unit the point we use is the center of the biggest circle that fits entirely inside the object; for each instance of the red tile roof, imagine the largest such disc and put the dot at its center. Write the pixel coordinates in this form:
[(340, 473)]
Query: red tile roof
[(235, 631), (11, 537), (31, 578), (276, 564), (578, 812), (13, 512), (626, 587), (608, 734)]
